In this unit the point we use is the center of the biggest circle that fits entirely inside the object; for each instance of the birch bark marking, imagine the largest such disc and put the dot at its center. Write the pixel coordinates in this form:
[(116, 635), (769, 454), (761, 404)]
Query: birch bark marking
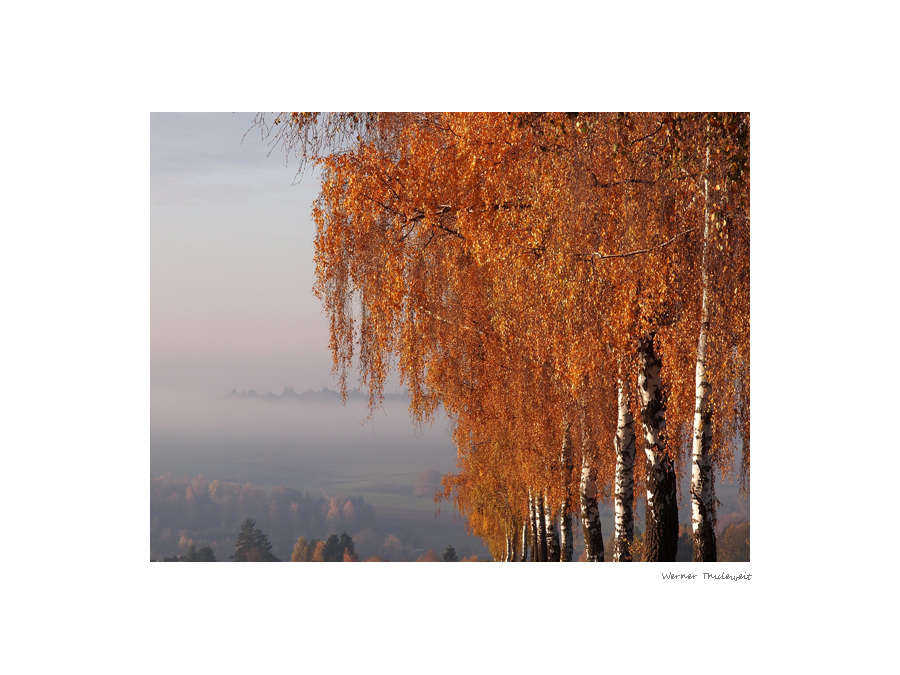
[(590, 512), (543, 551), (524, 557), (533, 525), (624, 539), (514, 540), (553, 548), (550, 516), (567, 543), (661, 538), (701, 464)]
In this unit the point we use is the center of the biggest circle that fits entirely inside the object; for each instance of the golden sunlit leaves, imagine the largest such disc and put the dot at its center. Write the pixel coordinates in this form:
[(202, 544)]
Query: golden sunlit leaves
[(463, 248)]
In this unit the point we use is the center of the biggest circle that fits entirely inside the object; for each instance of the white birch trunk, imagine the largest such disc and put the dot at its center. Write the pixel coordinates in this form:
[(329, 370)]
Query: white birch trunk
[(542, 529), (553, 549), (661, 538), (524, 557), (538, 528), (567, 544), (624, 488), (590, 511), (532, 526), (701, 461)]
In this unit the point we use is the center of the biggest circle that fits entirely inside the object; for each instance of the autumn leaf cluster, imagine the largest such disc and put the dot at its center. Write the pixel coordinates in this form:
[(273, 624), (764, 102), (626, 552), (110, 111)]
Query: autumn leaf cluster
[(506, 264)]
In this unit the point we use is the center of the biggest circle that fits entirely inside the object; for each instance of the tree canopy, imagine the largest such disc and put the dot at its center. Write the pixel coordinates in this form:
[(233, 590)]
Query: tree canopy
[(538, 275), (332, 549), (252, 545)]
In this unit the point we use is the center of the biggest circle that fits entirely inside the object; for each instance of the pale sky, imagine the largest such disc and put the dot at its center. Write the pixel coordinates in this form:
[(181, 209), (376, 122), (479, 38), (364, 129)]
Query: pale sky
[(231, 247)]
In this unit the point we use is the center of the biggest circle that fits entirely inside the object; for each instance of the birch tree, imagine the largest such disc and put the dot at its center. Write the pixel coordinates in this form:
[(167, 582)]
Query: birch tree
[(502, 261), (624, 487), (702, 518), (590, 512)]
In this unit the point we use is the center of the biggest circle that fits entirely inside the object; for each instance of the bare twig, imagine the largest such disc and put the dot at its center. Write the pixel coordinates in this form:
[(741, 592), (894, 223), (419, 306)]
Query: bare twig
[(644, 138), (449, 209), (601, 256)]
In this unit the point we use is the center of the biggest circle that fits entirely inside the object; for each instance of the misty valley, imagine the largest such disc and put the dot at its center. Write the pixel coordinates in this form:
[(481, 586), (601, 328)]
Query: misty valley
[(299, 467), (305, 465)]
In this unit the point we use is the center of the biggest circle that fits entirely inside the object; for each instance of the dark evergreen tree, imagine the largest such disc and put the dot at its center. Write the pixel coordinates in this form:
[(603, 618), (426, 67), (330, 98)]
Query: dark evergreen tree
[(205, 554), (252, 545), (450, 554), (333, 552), (347, 545)]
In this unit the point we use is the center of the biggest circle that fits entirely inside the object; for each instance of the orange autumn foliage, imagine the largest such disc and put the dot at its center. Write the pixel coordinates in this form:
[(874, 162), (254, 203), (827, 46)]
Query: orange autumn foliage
[(507, 265)]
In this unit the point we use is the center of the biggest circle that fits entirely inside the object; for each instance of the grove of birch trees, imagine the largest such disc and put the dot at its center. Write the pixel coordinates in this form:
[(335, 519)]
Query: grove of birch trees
[(572, 288)]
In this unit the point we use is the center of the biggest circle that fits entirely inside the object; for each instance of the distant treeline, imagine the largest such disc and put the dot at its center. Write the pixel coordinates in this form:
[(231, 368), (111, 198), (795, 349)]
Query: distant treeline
[(200, 519), (209, 513), (324, 395)]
